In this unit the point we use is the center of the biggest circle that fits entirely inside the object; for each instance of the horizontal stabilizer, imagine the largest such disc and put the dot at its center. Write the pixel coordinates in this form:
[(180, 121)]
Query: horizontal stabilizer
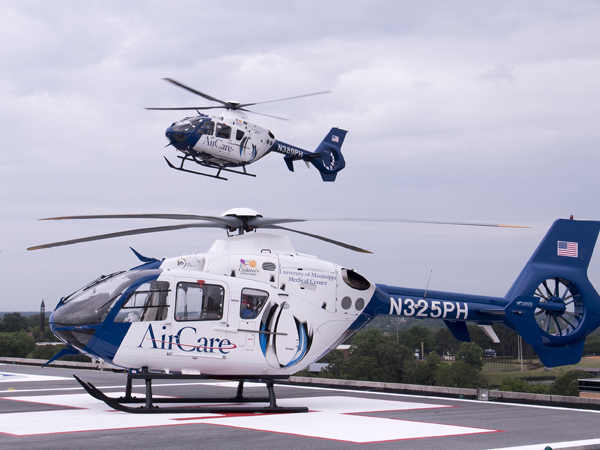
[(289, 161), (459, 330)]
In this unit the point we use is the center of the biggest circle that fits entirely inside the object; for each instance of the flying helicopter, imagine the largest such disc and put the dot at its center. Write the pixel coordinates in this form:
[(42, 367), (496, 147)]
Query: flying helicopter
[(229, 142), (252, 307)]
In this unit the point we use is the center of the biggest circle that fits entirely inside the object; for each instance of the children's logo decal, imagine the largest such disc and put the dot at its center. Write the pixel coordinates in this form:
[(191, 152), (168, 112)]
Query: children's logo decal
[(248, 267)]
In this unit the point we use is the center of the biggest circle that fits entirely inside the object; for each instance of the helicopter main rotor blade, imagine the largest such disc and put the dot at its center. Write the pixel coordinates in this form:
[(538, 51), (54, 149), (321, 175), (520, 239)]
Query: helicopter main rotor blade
[(185, 108), (227, 105), (257, 222), (322, 238), (264, 222), (357, 219), (192, 108), (194, 91), (124, 233), (261, 114), (436, 222), (226, 221), (243, 105), (246, 221)]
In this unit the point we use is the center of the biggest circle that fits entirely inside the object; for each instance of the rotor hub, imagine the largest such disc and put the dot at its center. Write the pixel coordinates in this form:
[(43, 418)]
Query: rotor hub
[(240, 213), (243, 215)]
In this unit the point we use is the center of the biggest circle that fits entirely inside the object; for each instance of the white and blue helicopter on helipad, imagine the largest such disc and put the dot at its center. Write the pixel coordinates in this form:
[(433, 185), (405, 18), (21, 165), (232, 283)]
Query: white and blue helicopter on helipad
[(251, 307), (229, 142)]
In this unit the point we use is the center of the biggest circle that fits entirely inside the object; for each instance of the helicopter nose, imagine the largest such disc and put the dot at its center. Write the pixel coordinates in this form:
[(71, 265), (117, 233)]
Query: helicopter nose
[(77, 337), (181, 138), (176, 137)]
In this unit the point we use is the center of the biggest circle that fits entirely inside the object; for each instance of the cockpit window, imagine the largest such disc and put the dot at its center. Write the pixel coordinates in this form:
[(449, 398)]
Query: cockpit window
[(199, 301), (147, 303), (207, 128), (239, 134), (252, 302), (223, 131)]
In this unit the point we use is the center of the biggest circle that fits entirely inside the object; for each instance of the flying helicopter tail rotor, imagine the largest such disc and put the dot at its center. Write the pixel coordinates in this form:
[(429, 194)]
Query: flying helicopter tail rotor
[(327, 158), (330, 160)]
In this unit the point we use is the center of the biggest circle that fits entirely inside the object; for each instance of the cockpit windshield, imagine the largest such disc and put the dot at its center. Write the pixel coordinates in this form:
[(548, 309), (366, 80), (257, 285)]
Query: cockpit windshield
[(89, 288), (91, 304), (186, 125)]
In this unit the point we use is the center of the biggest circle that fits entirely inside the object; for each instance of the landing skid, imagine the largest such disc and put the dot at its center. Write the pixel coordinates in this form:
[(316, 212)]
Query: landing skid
[(149, 402), (210, 166)]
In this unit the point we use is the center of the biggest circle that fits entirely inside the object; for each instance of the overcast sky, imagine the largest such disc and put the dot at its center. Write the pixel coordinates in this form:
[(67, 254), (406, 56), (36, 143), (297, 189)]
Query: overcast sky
[(464, 110)]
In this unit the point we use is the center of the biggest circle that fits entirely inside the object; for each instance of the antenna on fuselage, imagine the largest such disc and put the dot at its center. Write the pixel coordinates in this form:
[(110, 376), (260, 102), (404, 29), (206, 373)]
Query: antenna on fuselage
[(427, 288)]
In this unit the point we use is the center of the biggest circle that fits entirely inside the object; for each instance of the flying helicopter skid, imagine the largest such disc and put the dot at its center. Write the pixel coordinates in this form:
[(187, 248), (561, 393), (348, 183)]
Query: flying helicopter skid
[(205, 164), (216, 404)]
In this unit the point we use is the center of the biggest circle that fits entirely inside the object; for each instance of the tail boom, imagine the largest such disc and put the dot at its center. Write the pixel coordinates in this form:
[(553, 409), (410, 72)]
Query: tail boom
[(552, 304), (327, 158)]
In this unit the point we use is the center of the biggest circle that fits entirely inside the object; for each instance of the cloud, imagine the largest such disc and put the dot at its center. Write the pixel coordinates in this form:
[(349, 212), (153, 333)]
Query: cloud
[(499, 73), (458, 111)]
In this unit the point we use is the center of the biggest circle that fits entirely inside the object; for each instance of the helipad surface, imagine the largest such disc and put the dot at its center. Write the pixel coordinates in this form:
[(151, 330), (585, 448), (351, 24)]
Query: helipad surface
[(47, 408)]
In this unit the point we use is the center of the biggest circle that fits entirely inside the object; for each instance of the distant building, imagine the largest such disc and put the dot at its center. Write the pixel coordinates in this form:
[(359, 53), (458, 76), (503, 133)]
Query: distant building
[(42, 317)]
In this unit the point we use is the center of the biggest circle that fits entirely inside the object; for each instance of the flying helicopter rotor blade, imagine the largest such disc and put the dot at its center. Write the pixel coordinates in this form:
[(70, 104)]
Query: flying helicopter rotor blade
[(243, 105), (194, 91), (185, 108), (228, 105), (261, 114), (125, 233), (322, 238), (225, 221)]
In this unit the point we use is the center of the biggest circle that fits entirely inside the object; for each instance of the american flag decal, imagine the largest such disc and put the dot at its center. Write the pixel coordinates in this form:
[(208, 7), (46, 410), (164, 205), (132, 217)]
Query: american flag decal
[(568, 249), (334, 138)]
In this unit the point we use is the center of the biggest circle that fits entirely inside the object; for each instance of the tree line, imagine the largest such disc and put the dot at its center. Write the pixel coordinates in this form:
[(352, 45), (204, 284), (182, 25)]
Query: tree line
[(375, 356), (19, 335), (437, 337)]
